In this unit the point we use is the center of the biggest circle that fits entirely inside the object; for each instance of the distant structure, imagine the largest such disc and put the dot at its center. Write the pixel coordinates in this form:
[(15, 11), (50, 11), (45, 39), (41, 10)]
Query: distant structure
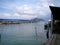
[(18, 21), (55, 17), (54, 24)]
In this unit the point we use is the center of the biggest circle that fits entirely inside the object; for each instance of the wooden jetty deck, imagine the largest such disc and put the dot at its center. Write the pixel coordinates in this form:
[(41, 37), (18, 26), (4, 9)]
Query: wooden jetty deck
[(54, 40)]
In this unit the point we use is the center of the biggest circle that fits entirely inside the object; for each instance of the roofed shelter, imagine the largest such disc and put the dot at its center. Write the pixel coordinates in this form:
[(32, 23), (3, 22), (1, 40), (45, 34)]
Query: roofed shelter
[(55, 23)]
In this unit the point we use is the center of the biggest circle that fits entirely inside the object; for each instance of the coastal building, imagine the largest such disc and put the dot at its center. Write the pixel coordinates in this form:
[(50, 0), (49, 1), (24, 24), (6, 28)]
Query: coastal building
[(55, 26)]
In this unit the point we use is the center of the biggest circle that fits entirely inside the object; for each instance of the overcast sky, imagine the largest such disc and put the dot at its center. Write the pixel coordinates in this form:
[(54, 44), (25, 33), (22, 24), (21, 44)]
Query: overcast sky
[(26, 9)]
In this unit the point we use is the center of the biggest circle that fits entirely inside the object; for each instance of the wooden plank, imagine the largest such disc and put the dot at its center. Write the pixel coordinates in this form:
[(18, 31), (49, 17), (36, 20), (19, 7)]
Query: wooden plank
[(51, 41)]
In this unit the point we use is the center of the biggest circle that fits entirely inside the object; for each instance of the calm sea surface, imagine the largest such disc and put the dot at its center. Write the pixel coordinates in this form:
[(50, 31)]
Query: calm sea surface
[(22, 34)]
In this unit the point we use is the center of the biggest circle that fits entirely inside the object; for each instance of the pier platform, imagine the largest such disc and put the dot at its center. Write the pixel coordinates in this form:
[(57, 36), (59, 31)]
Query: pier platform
[(54, 40)]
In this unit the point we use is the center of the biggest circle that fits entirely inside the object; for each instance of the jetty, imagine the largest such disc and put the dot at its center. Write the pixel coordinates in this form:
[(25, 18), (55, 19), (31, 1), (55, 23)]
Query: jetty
[(55, 26)]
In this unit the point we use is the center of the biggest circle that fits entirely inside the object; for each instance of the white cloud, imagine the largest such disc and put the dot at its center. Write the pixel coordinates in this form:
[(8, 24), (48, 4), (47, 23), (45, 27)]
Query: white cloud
[(41, 8), (28, 17), (24, 9), (52, 5), (17, 16), (6, 14)]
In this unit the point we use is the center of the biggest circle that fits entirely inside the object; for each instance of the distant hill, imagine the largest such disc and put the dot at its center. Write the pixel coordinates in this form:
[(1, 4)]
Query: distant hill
[(36, 19), (22, 20), (13, 19)]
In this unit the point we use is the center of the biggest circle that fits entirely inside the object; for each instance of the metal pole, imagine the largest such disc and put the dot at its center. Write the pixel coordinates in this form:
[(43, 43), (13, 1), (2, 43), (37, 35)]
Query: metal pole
[(36, 31), (51, 23)]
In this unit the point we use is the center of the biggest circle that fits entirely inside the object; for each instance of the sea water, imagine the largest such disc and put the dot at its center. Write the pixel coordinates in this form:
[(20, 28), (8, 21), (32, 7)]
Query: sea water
[(22, 34)]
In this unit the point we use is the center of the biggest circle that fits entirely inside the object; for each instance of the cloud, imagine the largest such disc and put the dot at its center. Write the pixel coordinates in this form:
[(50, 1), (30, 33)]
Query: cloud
[(41, 10), (5, 15), (27, 9), (52, 4), (24, 9), (28, 17), (16, 16)]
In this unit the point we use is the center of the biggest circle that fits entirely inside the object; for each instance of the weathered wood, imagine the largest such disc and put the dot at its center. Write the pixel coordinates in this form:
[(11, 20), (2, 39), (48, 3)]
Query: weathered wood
[(54, 40)]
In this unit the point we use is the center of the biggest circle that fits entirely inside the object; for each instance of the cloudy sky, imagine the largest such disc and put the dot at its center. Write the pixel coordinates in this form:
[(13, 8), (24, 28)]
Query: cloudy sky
[(26, 9)]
